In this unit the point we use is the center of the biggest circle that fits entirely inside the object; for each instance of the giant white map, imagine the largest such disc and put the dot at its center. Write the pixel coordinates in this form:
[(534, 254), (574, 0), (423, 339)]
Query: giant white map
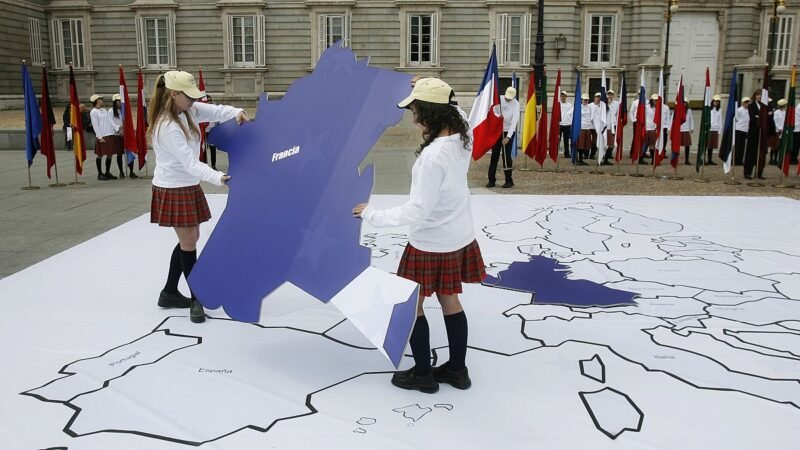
[(703, 351)]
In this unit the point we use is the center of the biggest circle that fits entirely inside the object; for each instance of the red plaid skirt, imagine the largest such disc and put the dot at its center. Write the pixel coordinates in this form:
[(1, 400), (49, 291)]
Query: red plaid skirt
[(105, 148), (686, 139), (442, 272), (713, 140), (119, 144), (585, 140), (179, 207)]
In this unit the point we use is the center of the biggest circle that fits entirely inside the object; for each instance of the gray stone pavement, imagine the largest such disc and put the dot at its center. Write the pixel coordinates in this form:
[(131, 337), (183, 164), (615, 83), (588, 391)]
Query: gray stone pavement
[(35, 225)]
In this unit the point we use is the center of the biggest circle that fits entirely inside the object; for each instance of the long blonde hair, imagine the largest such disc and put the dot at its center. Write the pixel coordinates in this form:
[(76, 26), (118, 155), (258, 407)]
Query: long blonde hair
[(162, 107)]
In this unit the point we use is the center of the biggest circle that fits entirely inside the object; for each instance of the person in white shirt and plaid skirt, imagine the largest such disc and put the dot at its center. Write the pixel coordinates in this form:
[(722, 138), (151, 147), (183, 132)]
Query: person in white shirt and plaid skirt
[(442, 252)]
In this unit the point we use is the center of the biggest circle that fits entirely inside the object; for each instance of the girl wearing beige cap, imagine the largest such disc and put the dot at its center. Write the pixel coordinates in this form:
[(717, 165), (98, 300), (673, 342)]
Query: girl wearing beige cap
[(714, 129), (442, 252), (119, 143), (104, 143), (178, 201)]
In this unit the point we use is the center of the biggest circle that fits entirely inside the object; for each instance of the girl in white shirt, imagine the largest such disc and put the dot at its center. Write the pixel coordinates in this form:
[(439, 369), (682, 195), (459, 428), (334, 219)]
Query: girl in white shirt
[(714, 129), (115, 115), (104, 145), (442, 251), (178, 201)]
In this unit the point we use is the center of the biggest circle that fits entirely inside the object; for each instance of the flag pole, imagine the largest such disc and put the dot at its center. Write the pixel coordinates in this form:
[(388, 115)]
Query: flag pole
[(56, 184), (702, 179), (732, 181), (29, 187)]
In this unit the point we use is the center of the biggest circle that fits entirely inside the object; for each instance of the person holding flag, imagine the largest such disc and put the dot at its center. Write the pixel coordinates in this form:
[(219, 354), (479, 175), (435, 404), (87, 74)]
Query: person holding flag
[(613, 115), (751, 155), (779, 117), (510, 116), (565, 109), (686, 128), (104, 145), (599, 111), (128, 139), (584, 142), (116, 118), (715, 126)]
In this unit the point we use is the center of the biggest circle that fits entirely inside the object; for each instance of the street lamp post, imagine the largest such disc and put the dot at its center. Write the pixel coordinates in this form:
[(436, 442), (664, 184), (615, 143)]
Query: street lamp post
[(538, 59), (672, 8)]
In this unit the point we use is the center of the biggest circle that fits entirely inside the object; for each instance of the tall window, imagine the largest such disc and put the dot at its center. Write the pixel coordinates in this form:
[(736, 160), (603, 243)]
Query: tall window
[(783, 40), (601, 38), (68, 42), (422, 38), (156, 36), (245, 41), (35, 36), (513, 39), (332, 28)]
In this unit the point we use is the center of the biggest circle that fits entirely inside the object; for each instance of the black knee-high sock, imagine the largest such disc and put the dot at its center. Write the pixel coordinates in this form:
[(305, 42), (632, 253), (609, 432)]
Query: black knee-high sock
[(421, 346), (119, 164), (456, 325), (130, 169), (187, 263), (97, 160), (108, 164), (175, 270)]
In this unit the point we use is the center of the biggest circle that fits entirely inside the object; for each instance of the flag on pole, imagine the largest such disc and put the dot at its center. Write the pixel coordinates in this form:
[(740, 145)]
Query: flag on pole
[(48, 120), (486, 117), (728, 135), (678, 119), (576, 118), (622, 117), (203, 125), (705, 124), (540, 140), (76, 121), (555, 120), (33, 118), (514, 139), (601, 121), (763, 119), (141, 121), (529, 127), (658, 120), (128, 133), (787, 138), (640, 129)]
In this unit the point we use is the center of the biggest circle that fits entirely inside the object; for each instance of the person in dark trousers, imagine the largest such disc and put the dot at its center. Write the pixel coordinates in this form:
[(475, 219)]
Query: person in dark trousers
[(751, 154), (67, 127), (104, 145), (212, 149), (442, 252), (779, 118), (742, 129), (565, 126), (510, 109), (713, 133)]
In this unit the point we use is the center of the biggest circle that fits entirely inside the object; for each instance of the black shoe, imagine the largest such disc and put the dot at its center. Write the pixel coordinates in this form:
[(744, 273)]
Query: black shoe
[(508, 184), (773, 163), (133, 175), (196, 312), (102, 176), (408, 379), (214, 167), (748, 177), (761, 177), (581, 163), (606, 163), (711, 163), (122, 175), (173, 300), (490, 184), (567, 155), (109, 176), (459, 379)]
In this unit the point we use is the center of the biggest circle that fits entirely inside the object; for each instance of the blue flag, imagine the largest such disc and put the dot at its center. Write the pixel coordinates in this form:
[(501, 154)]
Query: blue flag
[(728, 135), (33, 119), (514, 141), (576, 118)]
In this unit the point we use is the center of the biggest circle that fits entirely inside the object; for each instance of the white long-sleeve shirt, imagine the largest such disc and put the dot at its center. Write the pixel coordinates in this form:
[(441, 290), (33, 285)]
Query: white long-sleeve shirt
[(688, 124), (632, 112), (566, 113), (779, 116), (650, 117), (742, 119), (438, 210), (613, 115), (586, 117), (178, 157), (101, 122), (510, 110), (716, 120), (116, 122), (666, 117)]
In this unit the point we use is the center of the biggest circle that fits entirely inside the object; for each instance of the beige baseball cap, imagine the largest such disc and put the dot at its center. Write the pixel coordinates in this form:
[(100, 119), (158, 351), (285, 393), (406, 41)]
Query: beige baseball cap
[(610, 91), (95, 97), (511, 93), (745, 99), (654, 97), (782, 102), (584, 96), (178, 80), (565, 93), (431, 90), (717, 98), (116, 97)]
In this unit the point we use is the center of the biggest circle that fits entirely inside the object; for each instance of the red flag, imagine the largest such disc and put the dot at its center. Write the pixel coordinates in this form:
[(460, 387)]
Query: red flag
[(76, 121), (141, 121), (555, 120), (678, 118), (485, 117), (622, 117), (640, 128), (129, 136), (48, 119), (202, 86), (541, 133)]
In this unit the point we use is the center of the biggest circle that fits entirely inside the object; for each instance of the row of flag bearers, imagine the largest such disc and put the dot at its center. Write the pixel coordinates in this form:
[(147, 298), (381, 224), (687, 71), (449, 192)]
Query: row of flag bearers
[(592, 128)]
